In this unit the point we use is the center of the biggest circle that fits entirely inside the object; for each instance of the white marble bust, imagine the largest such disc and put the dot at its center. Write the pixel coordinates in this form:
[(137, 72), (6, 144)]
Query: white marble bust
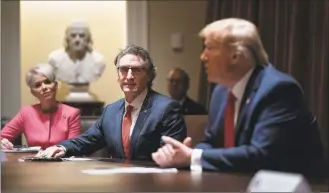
[(77, 63)]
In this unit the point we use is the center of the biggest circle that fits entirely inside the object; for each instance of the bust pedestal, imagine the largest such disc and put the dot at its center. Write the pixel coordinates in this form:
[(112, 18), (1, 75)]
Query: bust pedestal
[(88, 108), (79, 93), (79, 97)]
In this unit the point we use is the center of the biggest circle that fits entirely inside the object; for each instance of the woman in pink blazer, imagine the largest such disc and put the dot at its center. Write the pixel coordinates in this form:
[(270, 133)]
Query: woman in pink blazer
[(44, 124)]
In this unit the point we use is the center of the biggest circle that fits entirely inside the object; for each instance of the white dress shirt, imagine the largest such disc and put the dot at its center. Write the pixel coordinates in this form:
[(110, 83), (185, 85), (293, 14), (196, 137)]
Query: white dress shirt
[(137, 104), (238, 91), (181, 102)]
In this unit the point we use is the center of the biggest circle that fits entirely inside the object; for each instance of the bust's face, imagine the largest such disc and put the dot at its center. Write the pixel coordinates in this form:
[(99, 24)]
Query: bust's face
[(77, 38)]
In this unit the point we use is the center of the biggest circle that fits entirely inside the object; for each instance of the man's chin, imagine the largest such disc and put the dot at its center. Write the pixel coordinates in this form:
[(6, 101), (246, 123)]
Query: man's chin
[(129, 90)]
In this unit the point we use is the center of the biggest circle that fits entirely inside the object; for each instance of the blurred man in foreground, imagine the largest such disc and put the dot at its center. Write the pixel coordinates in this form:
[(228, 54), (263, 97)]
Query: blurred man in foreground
[(258, 118)]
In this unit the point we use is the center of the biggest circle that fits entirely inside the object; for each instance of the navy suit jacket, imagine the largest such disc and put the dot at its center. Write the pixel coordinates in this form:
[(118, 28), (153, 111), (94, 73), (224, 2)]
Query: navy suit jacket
[(274, 128), (159, 116), (191, 107)]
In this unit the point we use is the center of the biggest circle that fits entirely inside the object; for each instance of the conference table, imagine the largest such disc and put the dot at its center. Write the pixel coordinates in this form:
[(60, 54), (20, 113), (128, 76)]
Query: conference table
[(67, 177)]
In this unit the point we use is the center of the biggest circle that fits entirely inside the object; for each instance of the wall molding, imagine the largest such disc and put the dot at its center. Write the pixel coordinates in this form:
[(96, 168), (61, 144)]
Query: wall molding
[(10, 58), (137, 23)]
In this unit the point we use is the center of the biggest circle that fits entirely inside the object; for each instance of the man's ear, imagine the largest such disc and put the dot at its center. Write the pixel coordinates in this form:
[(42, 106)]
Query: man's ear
[(235, 56)]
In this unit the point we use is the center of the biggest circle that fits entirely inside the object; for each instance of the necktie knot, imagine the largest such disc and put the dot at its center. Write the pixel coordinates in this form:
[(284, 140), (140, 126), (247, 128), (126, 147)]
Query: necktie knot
[(231, 97), (129, 109)]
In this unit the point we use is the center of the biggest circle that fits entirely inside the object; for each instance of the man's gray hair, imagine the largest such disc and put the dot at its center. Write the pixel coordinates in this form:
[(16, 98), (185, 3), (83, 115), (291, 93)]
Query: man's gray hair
[(44, 69)]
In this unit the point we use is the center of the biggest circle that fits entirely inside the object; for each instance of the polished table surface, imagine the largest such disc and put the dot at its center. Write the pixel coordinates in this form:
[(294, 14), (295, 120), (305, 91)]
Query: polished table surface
[(66, 176)]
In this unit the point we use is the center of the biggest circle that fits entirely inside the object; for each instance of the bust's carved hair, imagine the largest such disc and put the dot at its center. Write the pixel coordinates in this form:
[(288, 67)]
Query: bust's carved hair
[(44, 69), (86, 28)]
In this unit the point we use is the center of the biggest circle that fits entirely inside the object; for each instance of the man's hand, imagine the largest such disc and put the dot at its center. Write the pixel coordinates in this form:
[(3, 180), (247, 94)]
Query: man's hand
[(174, 153), (52, 151), (6, 144)]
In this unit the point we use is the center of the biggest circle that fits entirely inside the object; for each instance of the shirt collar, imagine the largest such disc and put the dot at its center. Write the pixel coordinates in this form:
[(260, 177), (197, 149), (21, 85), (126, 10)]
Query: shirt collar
[(239, 88), (181, 102), (138, 101)]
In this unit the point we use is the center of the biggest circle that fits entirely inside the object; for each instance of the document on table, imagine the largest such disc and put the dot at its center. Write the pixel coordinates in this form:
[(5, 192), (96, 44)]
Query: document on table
[(128, 170), (48, 159), (23, 149), (77, 159)]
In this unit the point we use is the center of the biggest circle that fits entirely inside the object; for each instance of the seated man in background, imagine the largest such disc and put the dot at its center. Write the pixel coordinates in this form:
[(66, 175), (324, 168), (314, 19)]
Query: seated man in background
[(258, 118), (178, 85), (132, 127), (46, 123)]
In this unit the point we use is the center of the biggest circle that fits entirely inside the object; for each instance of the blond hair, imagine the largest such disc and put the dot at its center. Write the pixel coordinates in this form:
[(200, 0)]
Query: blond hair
[(44, 69), (239, 33)]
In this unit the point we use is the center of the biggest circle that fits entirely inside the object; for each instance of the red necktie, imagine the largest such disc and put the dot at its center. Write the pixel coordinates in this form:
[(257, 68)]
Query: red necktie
[(126, 124), (229, 121)]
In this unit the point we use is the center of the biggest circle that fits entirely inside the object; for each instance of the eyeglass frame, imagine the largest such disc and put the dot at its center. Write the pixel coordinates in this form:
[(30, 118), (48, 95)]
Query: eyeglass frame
[(132, 68)]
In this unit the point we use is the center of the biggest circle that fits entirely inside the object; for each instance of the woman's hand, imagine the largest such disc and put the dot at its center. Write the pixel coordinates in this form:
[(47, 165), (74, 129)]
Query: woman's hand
[(6, 144)]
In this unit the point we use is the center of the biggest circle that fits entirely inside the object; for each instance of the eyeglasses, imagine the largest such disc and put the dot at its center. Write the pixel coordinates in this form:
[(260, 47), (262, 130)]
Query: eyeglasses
[(134, 70)]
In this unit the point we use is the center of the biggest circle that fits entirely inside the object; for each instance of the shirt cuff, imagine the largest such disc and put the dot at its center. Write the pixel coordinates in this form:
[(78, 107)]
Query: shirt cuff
[(62, 147), (196, 160)]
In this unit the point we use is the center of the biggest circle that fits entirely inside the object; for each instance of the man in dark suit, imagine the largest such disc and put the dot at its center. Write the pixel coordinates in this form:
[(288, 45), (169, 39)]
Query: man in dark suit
[(178, 85), (258, 118), (130, 128)]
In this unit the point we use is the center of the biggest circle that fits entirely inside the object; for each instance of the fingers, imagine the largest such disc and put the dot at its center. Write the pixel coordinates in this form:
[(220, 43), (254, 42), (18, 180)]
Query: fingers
[(39, 154), (50, 152), (168, 150), (160, 159), (3, 147), (176, 144), (53, 151), (155, 157), (59, 154), (188, 141), (164, 156), (6, 144), (173, 142)]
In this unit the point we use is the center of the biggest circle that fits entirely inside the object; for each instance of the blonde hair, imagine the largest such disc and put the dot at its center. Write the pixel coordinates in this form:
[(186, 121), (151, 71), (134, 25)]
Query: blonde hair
[(44, 69), (239, 33)]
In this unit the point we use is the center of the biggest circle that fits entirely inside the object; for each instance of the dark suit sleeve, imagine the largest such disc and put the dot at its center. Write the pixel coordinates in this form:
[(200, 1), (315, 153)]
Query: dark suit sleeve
[(88, 142), (280, 116), (173, 124)]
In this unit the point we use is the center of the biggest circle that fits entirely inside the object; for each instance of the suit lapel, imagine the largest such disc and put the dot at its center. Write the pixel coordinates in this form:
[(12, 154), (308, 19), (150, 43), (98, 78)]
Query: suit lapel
[(142, 116), (185, 105), (220, 119), (118, 129), (249, 93)]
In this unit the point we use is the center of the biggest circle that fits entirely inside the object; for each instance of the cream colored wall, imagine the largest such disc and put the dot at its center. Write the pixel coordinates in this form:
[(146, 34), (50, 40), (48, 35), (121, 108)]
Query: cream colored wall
[(165, 19), (42, 30)]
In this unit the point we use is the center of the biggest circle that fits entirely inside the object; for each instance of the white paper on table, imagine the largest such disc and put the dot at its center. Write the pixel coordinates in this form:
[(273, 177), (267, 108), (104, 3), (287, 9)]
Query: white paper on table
[(77, 159), (128, 170), (23, 150)]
